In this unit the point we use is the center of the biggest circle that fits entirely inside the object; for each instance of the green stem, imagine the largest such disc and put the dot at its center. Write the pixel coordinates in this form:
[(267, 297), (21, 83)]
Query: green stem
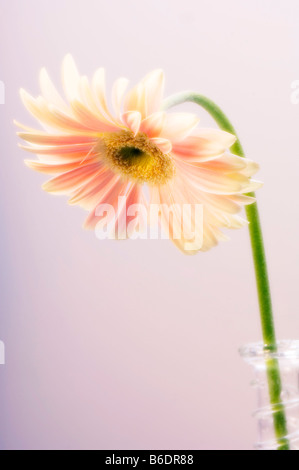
[(262, 279)]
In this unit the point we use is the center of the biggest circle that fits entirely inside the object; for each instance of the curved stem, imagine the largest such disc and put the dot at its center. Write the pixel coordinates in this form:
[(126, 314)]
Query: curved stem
[(260, 265)]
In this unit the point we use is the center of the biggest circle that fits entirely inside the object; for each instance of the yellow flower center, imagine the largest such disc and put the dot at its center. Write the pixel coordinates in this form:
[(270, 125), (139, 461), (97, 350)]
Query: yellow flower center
[(136, 157)]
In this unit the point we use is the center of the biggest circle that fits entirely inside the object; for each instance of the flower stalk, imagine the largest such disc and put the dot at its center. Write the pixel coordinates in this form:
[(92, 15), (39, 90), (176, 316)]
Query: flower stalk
[(261, 272)]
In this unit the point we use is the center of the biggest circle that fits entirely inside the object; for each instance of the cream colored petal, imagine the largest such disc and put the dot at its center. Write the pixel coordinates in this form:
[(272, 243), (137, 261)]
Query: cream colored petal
[(43, 138), (252, 186), (38, 108), (25, 128), (242, 199), (222, 138), (99, 87), (50, 93), (70, 78), (153, 89), (238, 222), (177, 126), (118, 92), (217, 203), (87, 97), (251, 168), (136, 100)]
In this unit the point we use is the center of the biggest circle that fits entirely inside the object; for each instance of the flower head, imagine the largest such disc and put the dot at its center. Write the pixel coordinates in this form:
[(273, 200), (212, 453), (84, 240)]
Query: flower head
[(96, 155)]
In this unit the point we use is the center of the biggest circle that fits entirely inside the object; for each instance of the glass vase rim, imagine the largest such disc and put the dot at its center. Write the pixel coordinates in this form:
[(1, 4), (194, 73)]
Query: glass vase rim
[(288, 349)]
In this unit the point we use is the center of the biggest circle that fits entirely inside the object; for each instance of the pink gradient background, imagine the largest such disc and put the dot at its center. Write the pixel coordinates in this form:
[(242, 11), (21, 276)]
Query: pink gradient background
[(131, 345)]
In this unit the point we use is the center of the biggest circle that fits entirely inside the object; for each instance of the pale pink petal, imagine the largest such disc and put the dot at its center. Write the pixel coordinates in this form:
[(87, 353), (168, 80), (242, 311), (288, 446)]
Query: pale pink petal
[(219, 210), (39, 109), (123, 219), (59, 149), (88, 195), (68, 182), (137, 216), (72, 125), (173, 220), (90, 120), (89, 100), (215, 215), (153, 124), (64, 157), (132, 120), (217, 182), (229, 163), (163, 144), (203, 145), (146, 96), (51, 117), (225, 163), (110, 196), (51, 169)]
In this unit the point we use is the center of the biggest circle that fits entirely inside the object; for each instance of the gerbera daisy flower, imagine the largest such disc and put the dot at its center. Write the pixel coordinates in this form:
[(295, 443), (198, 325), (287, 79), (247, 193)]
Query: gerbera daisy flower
[(95, 155)]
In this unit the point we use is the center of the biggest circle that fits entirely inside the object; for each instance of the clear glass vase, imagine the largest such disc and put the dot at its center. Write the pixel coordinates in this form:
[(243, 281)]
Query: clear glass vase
[(287, 357)]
